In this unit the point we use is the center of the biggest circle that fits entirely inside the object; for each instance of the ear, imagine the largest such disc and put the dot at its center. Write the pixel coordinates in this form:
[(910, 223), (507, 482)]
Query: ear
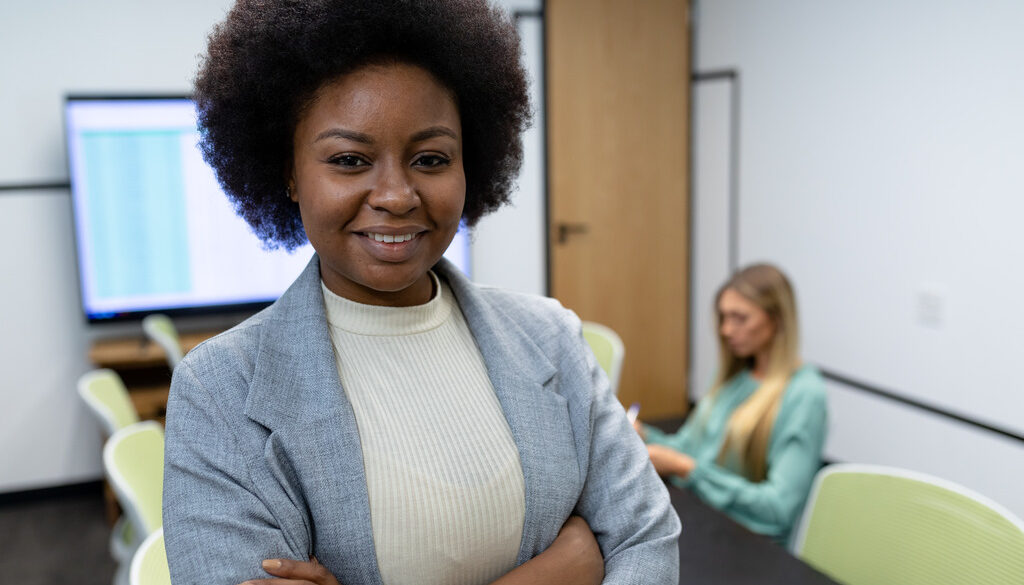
[(289, 178)]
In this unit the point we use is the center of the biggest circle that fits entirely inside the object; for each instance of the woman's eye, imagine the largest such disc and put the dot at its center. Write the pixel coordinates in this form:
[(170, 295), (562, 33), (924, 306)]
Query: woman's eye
[(432, 161), (347, 160)]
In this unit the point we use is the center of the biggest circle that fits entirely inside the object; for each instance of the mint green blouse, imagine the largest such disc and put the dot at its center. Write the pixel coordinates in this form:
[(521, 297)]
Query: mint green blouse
[(770, 507)]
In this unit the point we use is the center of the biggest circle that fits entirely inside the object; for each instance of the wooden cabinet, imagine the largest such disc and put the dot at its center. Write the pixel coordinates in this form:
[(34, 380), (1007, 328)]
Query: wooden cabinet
[(142, 365)]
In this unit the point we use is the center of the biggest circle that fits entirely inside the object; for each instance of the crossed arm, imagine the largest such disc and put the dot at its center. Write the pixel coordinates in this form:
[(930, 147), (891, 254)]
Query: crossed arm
[(229, 505), (209, 489), (574, 558)]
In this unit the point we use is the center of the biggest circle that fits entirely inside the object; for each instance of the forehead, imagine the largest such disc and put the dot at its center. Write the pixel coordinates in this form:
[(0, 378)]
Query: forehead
[(733, 302), (375, 97)]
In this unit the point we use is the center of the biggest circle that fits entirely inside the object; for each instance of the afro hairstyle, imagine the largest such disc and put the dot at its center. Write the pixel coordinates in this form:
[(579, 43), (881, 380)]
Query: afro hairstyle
[(266, 61)]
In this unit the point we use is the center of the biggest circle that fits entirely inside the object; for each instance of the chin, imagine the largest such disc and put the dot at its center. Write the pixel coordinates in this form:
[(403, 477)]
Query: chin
[(390, 282), (388, 286)]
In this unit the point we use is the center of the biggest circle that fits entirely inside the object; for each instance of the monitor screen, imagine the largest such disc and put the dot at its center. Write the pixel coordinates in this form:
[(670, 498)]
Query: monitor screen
[(154, 231)]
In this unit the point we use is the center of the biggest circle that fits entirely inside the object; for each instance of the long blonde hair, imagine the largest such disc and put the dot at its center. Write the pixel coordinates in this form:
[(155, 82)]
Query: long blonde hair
[(749, 429)]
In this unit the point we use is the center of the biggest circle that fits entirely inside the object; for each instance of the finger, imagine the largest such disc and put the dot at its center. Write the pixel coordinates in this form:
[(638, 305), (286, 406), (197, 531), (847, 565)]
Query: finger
[(278, 582), (310, 570)]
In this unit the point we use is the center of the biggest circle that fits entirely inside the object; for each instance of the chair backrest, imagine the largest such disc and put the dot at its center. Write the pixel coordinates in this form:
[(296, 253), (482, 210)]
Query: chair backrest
[(149, 565), (608, 349), (866, 525), (161, 330), (133, 458), (105, 394)]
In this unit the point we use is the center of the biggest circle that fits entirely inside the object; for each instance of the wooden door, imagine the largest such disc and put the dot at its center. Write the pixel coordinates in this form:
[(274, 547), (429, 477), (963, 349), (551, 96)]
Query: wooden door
[(618, 137)]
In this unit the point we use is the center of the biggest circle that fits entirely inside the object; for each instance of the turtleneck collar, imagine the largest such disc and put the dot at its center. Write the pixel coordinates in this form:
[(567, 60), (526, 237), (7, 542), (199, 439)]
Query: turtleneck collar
[(363, 319)]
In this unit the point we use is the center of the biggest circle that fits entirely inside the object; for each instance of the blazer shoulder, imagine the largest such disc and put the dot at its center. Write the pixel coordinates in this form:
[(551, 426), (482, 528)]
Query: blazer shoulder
[(224, 365), (550, 325), (238, 342), (528, 309)]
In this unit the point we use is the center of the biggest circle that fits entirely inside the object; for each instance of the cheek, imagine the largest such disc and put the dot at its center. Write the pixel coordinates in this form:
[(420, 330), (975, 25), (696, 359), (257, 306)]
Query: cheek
[(451, 199), (764, 332), (327, 207), (313, 213), (457, 188)]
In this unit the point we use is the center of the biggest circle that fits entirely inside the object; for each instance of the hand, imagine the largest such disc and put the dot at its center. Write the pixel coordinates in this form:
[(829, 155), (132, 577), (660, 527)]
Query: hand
[(291, 572), (669, 461)]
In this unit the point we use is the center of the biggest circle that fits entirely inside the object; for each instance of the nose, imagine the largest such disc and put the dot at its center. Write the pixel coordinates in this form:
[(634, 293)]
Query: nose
[(725, 329), (394, 192)]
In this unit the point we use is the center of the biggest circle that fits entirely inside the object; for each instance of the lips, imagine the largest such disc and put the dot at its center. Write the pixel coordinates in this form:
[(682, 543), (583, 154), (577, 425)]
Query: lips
[(391, 248)]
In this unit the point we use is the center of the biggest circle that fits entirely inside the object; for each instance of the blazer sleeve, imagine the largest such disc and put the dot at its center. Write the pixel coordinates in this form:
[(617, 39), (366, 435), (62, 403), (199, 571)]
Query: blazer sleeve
[(623, 500), (217, 528), (770, 507)]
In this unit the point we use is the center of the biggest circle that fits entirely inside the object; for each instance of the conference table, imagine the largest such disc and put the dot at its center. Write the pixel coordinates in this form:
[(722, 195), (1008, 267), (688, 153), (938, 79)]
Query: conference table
[(715, 550)]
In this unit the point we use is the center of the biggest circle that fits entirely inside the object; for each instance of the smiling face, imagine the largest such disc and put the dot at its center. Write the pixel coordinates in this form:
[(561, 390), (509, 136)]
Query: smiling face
[(377, 173), (746, 328)]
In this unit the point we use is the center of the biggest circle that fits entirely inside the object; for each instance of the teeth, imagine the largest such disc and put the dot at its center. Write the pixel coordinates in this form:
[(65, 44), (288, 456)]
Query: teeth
[(389, 239)]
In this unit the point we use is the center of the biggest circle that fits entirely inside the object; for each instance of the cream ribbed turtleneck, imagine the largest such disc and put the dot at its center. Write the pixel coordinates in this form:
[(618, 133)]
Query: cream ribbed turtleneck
[(442, 470)]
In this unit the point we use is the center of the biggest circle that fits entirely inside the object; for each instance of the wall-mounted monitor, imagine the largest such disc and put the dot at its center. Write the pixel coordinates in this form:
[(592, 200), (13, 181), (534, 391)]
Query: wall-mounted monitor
[(153, 230)]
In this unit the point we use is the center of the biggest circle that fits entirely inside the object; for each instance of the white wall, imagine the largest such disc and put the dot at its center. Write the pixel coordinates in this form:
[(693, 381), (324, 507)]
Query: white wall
[(709, 241), (509, 248), (51, 48), (46, 436), (879, 165)]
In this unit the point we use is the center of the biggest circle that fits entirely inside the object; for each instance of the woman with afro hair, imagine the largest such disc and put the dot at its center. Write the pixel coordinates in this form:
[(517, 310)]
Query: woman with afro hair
[(386, 421)]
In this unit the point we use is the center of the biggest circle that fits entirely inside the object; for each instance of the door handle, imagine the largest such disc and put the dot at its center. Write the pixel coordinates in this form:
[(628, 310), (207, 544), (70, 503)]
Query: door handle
[(567, 229)]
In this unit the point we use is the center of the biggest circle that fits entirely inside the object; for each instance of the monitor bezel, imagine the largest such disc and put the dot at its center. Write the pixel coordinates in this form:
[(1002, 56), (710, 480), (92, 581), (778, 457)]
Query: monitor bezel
[(214, 309)]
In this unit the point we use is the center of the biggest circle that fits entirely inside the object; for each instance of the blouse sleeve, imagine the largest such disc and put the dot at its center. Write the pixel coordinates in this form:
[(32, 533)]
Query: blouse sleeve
[(771, 506), (682, 439)]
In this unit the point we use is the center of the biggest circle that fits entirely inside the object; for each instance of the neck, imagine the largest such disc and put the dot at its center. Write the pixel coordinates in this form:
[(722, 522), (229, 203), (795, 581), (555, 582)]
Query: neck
[(760, 365)]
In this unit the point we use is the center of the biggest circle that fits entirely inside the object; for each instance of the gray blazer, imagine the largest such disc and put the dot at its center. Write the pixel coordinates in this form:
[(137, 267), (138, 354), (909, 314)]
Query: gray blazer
[(263, 458)]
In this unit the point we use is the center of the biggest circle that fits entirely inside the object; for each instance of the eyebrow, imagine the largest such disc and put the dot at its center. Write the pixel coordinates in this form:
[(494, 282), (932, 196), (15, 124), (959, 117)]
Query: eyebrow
[(432, 132), (345, 134)]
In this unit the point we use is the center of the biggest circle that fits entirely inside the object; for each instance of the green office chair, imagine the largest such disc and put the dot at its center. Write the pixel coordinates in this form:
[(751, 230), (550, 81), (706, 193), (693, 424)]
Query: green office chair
[(608, 349), (149, 566), (871, 525), (106, 396), (133, 459), (161, 330)]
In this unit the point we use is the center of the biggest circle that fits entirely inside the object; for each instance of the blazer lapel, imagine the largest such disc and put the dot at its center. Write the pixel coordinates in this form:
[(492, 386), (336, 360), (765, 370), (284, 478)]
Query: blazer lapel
[(314, 442), (537, 416)]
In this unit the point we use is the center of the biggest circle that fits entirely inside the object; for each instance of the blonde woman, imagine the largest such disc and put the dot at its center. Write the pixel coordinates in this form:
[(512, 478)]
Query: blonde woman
[(753, 444)]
